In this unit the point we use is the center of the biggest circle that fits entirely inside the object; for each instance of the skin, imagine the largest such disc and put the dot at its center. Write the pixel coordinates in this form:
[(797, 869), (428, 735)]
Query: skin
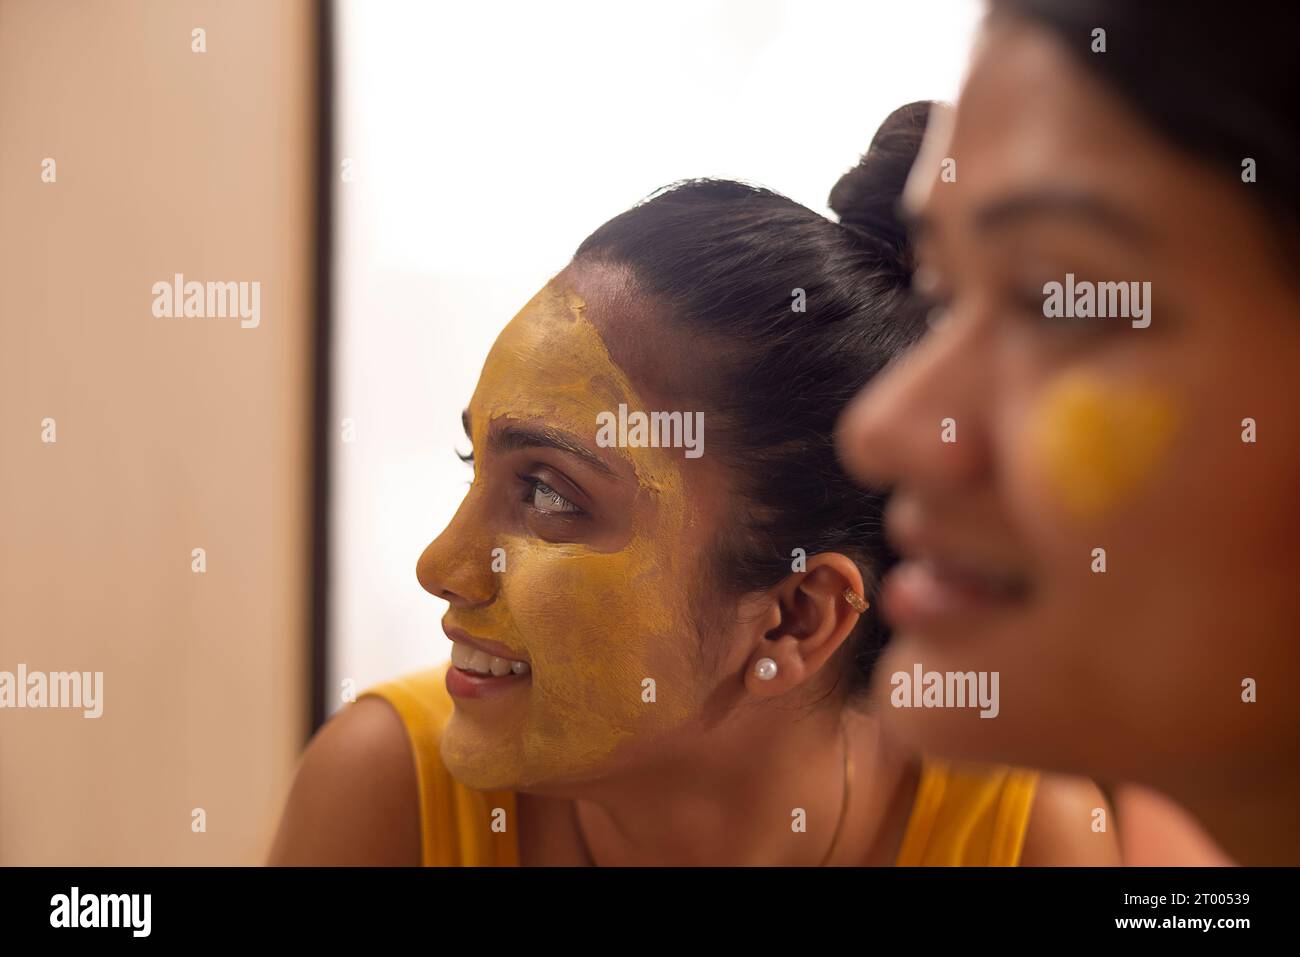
[(1156, 832), (709, 773), (573, 598), (1094, 434), (1094, 446)]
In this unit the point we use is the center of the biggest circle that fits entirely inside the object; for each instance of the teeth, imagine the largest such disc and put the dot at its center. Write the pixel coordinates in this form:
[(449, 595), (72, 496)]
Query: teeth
[(468, 658)]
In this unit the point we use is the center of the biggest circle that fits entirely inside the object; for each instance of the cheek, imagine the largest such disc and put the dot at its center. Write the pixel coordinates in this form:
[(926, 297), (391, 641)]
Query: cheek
[(1090, 447), (573, 610), (1088, 485), (596, 626)]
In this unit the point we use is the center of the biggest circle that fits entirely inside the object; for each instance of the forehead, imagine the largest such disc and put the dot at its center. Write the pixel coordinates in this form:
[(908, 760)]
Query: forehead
[(551, 366), (1031, 117), (550, 363)]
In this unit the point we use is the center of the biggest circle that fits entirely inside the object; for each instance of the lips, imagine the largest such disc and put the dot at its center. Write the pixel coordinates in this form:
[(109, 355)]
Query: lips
[(468, 657), (927, 592), (496, 648), (481, 667), (958, 562)]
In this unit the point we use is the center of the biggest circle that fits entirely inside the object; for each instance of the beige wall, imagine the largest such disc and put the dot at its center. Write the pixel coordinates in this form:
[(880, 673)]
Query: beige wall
[(172, 434)]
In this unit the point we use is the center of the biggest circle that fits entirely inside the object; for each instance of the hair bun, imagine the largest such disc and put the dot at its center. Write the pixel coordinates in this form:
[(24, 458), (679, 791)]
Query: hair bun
[(866, 197)]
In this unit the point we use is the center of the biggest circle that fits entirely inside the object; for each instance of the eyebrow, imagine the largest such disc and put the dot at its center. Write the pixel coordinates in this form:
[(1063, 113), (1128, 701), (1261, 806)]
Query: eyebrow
[(515, 437), (1064, 203)]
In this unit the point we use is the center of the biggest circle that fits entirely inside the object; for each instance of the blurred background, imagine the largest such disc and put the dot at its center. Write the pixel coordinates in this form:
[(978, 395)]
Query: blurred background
[(399, 178)]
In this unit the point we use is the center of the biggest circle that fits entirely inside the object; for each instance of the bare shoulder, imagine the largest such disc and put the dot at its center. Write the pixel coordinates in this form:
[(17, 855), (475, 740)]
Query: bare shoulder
[(355, 798), (1064, 826)]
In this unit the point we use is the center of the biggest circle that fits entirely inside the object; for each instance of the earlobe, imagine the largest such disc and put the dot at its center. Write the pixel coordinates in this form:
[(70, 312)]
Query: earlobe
[(775, 667)]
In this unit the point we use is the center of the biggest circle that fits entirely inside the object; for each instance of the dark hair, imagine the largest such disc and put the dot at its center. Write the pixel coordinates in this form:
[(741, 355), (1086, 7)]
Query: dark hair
[(725, 261), (1218, 80)]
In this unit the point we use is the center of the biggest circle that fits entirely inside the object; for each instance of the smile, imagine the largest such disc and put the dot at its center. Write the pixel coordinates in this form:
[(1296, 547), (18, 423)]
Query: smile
[(479, 674), (921, 593), (466, 657)]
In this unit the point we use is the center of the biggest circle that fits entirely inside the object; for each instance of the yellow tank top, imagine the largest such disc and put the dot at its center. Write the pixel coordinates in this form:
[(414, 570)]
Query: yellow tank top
[(966, 817)]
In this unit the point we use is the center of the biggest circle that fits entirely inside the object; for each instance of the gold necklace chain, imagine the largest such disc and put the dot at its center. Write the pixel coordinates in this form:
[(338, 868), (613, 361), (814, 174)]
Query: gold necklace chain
[(844, 802)]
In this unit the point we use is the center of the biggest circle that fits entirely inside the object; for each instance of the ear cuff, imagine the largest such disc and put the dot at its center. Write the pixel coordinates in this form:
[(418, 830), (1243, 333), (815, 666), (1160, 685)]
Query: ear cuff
[(856, 601)]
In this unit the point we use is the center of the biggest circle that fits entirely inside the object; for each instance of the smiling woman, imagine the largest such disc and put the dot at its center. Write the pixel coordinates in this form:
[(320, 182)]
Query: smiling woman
[(661, 658), (562, 585), (1087, 441)]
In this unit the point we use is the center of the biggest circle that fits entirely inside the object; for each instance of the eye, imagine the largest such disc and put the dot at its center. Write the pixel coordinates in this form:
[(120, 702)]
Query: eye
[(545, 499), (935, 313), (933, 308), (1026, 309), (928, 289)]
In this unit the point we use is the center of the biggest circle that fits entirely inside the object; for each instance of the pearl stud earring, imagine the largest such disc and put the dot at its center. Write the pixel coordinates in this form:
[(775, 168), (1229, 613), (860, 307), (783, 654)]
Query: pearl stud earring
[(765, 669)]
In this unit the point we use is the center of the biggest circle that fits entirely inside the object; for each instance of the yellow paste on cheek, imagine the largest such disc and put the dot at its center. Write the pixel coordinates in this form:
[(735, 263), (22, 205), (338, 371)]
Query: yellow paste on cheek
[(1097, 444), (594, 624)]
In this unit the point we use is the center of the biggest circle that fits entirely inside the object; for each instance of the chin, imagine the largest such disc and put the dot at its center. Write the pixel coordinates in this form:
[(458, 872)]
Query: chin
[(476, 767), (1011, 736)]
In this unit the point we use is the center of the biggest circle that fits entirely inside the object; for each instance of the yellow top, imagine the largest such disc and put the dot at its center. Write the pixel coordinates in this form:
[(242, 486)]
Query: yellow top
[(960, 817)]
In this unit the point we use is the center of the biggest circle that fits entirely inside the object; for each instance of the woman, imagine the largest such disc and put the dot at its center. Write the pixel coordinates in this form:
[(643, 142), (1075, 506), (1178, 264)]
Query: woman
[(1113, 528), (659, 640)]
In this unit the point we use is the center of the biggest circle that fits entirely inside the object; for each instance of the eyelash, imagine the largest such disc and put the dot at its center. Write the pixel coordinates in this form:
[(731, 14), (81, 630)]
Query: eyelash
[(564, 506), (1022, 304)]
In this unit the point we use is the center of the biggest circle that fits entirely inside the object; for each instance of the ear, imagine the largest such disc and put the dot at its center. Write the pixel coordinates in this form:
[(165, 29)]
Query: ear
[(810, 618)]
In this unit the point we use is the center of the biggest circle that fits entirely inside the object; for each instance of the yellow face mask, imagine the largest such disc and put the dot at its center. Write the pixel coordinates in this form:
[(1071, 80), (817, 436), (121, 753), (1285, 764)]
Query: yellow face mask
[(605, 631), (1097, 445)]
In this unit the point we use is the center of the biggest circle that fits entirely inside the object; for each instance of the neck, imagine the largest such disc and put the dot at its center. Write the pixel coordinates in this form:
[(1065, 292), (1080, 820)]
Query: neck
[(730, 796)]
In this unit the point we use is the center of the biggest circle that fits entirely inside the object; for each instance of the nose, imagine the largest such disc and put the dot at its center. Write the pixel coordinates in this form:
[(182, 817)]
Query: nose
[(457, 565), (920, 421)]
